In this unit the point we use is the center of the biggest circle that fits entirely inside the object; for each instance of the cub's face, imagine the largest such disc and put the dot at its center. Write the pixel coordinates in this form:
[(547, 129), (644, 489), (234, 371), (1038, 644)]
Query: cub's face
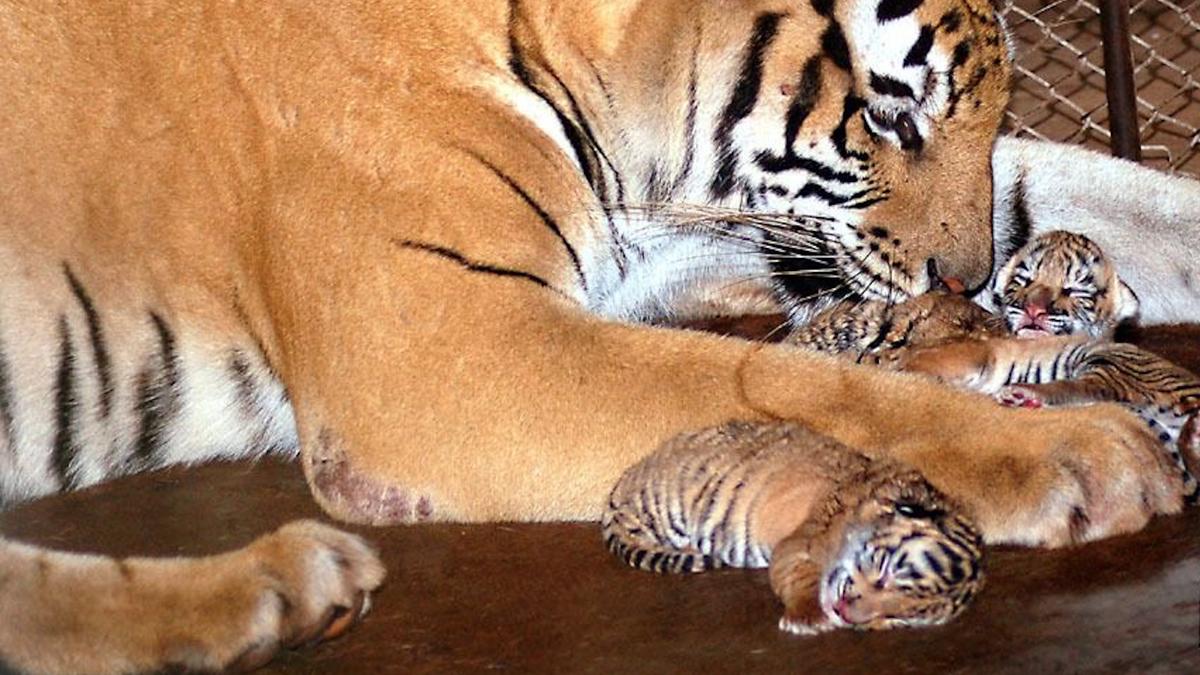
[(912, 566), (872, 127), (1062, 284)]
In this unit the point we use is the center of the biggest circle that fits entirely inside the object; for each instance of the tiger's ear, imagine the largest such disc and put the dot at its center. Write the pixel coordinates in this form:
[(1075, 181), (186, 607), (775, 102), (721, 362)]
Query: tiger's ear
[(1126, 304)]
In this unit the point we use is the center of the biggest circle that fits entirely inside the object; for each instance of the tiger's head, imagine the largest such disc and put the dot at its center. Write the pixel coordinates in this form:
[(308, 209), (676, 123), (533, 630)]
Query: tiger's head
[(1062, 283), (860, 130), (909, 560)]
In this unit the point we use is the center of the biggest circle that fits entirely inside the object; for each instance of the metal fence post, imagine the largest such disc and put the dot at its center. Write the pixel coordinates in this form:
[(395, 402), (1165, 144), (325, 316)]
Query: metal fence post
[(1118, 75)]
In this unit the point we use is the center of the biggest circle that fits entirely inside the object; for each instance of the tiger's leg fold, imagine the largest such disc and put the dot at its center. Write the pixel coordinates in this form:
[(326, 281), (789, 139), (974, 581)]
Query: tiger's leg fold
[(74, 613)]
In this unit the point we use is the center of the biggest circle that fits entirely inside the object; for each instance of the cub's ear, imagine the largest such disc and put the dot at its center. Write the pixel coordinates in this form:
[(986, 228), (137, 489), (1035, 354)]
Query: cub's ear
[(1005, 273), (1126, 303)]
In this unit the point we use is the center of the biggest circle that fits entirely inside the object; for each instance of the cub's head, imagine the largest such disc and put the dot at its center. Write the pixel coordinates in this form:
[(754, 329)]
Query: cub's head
[(1061, 283), (869, 124), (911, 560)]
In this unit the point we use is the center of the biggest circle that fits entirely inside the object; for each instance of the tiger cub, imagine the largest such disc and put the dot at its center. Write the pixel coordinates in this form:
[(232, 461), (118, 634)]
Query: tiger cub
[(851, 542), (1059, 288), (1062, 283)]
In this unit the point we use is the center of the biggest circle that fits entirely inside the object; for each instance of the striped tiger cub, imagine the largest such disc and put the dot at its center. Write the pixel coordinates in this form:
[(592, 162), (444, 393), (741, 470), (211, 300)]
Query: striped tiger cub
[(1060, 297), (851, 542), (1062, 283)]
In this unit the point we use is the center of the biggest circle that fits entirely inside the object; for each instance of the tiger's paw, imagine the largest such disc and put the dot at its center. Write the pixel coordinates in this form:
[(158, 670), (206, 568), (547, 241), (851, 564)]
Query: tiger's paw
[(1017, 396), (304, 583), (1068, 475), (311, 583)]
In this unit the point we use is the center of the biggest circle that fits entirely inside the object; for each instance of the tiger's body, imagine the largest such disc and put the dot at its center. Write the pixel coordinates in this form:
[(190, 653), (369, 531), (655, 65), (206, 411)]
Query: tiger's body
[(1059, 284), (230, 229), (851, 541)]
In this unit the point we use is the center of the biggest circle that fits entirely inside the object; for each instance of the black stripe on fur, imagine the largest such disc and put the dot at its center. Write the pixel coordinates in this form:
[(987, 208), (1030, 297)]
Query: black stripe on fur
[(517, 63), (889, 10), (801, 106), (104, 377), (1022, 223), (886, 85), (159, 399), (741, 103), (6, 402), (469, 265), (541, 212), (834, 46), (66, 409), (919, 52)]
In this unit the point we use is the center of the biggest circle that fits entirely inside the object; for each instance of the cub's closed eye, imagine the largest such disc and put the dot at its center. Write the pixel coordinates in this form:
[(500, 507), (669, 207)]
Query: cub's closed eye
[(912, 510)]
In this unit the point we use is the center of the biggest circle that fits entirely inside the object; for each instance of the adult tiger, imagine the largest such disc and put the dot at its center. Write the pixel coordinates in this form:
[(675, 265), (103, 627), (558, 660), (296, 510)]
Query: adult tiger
[(414, 242)]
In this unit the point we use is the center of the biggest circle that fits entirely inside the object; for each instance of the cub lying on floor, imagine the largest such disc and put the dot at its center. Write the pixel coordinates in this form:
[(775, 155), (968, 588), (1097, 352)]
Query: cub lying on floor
[(851, 541), (1059, 289)]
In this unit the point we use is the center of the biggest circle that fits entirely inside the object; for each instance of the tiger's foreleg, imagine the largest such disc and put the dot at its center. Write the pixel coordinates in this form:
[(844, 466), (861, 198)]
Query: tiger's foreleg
[(74, 613), (444, 390)]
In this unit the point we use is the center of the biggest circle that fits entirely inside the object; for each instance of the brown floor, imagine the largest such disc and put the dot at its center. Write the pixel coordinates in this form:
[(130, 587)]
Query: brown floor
[(549, 598)]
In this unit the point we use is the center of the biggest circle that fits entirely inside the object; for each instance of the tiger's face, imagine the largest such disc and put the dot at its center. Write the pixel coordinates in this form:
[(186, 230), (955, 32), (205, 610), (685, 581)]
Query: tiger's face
[(914, 565), (1062, 284), (870, 124)]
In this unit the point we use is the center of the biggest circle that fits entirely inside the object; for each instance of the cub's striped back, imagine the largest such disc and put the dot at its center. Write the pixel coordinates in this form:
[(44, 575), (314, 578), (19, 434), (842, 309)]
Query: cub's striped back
[(865, 543)]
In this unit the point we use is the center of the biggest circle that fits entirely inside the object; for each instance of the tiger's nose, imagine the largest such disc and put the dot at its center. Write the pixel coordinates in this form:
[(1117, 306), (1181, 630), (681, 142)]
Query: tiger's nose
[(1038, 302), (937, 282), (967, 274)]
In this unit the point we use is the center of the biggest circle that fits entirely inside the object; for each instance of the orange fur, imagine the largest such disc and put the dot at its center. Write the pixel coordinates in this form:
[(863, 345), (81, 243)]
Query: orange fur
[(327, 184)]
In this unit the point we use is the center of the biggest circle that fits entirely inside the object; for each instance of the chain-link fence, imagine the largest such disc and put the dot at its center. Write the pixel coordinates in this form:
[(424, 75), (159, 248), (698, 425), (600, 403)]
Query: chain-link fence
[(1060, 86)]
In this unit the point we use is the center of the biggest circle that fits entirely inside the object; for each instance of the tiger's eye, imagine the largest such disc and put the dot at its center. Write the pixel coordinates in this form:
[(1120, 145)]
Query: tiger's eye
[(906, 130), (903, 125)]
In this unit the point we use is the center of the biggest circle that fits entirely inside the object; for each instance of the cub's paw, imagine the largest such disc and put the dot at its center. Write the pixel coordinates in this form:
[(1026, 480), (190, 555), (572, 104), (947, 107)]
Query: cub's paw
[(1074, 475), (961, 362), (803, 615), (1017, 396), (1189, 453), (311, 582), (804, 628)]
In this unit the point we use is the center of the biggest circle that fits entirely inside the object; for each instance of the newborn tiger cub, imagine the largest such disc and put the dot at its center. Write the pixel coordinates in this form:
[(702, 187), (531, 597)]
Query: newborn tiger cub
[(851, 542), (1062, 283), (1061, 298)]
